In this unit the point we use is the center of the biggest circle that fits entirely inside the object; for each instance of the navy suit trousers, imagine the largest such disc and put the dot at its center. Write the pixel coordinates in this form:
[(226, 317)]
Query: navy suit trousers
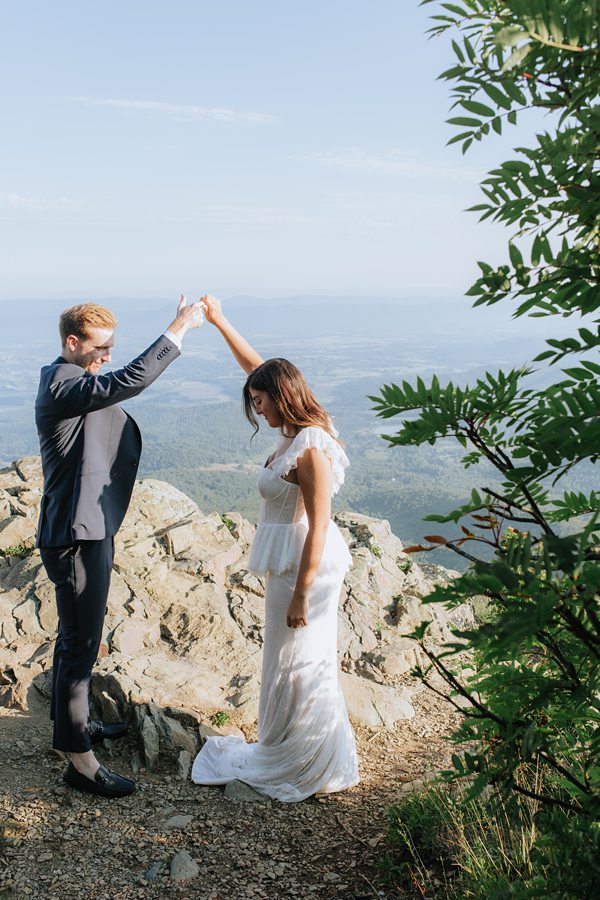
[(81, 576)]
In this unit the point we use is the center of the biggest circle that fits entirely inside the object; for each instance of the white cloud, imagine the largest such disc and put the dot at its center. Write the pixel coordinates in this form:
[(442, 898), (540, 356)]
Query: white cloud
[(12, 200), (180, 111), (390, 162)]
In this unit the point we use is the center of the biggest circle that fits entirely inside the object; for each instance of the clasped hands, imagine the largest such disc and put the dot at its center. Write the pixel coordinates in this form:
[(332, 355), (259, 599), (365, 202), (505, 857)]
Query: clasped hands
[(193, 315), (207, 306)]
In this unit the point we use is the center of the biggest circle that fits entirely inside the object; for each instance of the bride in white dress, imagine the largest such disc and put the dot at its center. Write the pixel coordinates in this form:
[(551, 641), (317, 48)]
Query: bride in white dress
[(306, 744)]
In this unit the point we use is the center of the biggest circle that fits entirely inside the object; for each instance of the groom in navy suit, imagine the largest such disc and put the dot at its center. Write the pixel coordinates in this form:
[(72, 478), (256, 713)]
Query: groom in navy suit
[(90, 450)]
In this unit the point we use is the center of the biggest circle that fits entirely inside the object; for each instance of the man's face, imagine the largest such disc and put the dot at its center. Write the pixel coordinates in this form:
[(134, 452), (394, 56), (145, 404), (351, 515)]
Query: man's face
[(92, 351)]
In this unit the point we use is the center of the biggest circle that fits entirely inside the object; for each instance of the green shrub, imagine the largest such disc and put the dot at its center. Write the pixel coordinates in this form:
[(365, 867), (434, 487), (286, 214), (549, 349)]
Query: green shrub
[(220, 718), (20, 551), (444, 844), (229, 524), (532, 700)]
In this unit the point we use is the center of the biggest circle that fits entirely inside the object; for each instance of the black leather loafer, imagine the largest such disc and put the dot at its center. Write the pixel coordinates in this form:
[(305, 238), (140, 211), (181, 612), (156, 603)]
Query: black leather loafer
[(105, 782), (107, 731)]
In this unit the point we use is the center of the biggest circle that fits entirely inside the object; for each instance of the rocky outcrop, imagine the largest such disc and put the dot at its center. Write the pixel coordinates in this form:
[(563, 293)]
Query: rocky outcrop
[(183, 632)]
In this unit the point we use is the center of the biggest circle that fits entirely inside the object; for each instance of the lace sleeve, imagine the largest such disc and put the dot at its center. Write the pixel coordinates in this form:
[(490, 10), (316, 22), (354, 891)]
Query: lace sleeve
[(318, 439)]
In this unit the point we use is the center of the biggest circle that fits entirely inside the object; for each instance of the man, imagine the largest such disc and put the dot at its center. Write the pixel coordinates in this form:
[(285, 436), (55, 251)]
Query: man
[(90, 452)]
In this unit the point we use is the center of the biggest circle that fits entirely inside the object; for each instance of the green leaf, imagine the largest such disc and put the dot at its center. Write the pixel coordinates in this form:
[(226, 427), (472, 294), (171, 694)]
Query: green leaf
[(458, 137), (516, 257), (457, 49), (452, 7), (495, 94), (513, 90), (480, 109), (465, 121)]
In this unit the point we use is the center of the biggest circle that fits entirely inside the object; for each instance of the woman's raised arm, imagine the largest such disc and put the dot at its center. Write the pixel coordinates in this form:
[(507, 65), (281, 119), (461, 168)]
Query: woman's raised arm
[(244, 353)]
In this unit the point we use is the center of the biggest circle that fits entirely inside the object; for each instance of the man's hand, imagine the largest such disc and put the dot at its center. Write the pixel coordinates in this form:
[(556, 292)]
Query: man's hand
[(187, 317), (212, 309)]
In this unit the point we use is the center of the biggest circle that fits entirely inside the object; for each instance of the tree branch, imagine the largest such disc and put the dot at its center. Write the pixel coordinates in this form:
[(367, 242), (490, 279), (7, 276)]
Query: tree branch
[(458, 687), (456, 706), (589, 640), (545, 798), (466, 555), (550, 43)]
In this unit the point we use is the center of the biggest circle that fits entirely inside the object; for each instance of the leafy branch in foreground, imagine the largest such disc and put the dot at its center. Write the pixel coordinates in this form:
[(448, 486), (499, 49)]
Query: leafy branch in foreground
[(532, 702), (535, 54)]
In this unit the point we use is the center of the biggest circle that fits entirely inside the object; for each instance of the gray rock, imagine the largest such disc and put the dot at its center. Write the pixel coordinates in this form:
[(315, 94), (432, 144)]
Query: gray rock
[(184, 764), (188, 717), (26, 617), (29, 469), (109, 709), (375, 704), (154, 871), (178, 822), (237, 790), (150, 742), (18, 531), (183, 867), (205, 731), (10, 480), (180, 539), (131, 636), (185, 617), (173, 735)]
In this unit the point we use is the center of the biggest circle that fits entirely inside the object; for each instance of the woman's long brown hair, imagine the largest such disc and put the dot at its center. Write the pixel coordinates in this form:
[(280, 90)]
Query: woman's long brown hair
[(286, 386)]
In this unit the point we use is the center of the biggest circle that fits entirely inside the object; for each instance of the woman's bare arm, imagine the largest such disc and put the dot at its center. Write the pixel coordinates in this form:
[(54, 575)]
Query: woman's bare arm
[(315, 480), (244, 353)]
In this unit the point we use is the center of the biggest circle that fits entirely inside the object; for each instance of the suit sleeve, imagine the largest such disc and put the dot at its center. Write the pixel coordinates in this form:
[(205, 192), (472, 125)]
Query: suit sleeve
[(86, 393)]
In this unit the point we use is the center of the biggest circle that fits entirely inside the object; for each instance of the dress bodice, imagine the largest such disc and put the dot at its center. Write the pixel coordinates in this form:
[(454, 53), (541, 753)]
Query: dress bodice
[(283, 526), (282, 503)]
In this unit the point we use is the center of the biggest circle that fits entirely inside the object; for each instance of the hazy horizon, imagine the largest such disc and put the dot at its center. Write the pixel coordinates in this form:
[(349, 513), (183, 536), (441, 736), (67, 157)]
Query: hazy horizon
[(196, 438)]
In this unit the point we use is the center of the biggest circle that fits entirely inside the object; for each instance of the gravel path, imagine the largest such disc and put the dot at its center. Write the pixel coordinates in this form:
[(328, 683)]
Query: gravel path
[(58, 844)]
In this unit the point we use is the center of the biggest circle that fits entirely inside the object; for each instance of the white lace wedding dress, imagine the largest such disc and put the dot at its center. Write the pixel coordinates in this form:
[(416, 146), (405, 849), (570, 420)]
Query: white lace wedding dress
[(306, 744)]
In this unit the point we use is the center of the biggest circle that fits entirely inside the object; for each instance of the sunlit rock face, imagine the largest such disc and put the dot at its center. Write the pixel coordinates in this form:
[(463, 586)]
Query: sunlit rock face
[(184, 626)]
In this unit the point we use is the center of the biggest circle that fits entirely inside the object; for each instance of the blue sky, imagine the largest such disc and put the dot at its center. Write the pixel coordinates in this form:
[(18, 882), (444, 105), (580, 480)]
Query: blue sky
[(264, 147)]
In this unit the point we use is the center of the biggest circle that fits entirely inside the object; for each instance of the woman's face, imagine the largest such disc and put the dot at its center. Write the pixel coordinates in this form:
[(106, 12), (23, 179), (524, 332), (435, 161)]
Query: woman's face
[(265, 406)]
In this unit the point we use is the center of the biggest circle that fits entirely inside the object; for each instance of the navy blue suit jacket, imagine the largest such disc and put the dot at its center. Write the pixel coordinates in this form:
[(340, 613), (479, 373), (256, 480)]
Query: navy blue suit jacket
[(90, 447)]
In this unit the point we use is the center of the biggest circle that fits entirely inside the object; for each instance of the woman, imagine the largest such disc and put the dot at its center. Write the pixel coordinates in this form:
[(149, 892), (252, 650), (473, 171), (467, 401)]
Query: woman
[(306, 744)]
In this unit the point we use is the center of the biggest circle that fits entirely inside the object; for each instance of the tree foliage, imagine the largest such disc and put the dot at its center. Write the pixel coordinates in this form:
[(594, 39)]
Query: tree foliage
[(533, 702)]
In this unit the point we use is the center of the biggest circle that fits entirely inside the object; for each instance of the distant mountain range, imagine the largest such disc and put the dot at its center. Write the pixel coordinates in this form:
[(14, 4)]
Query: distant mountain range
[(348, 348)]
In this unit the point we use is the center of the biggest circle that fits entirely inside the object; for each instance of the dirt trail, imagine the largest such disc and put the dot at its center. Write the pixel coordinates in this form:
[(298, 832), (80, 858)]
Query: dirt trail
[(62, 845)]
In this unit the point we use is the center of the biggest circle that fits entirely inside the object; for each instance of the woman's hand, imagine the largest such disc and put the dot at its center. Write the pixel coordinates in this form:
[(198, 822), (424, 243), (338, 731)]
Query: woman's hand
[(297, 612), (213, 310), (244, 353)]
